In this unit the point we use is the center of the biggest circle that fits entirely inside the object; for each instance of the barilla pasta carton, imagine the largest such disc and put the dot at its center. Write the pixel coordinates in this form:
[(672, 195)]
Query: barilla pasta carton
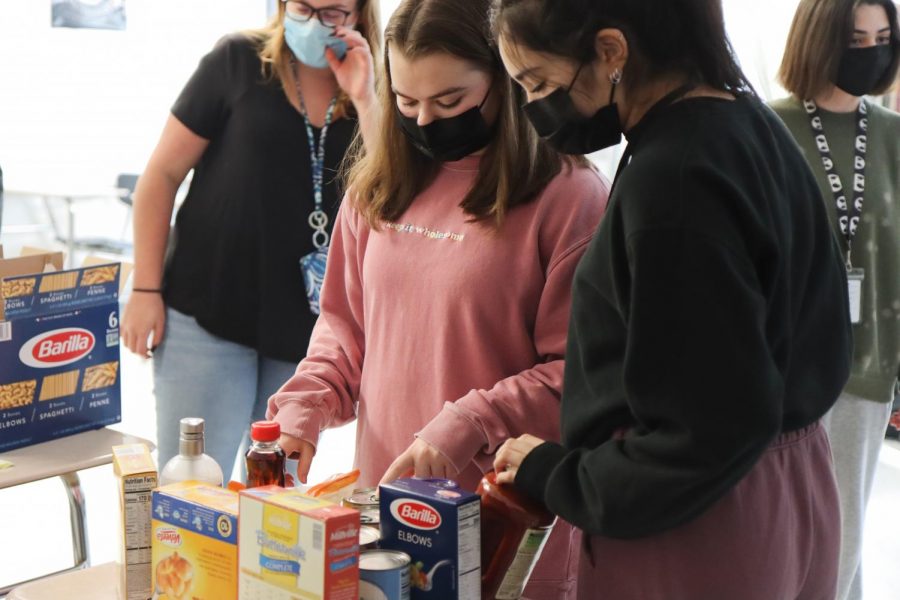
[(194, 542), (137, 477), (439, 525), (296, 546), (59, 348)]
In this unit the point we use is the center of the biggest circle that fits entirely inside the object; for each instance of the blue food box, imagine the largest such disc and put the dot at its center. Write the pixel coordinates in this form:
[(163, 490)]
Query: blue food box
[(438, 524), (59, 349)]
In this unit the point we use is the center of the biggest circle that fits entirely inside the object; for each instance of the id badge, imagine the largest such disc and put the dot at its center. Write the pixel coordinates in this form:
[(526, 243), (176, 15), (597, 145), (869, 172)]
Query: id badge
[(855, 279), (313, 267)]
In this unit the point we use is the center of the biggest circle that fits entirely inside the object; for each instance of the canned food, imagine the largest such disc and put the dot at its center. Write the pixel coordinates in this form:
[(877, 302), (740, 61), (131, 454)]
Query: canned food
[(362, 500), (369, 538), (370, 516), (383, 575)]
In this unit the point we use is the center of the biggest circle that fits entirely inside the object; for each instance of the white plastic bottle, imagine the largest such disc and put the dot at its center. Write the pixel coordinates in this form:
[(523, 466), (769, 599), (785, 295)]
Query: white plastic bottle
[(191, 463)]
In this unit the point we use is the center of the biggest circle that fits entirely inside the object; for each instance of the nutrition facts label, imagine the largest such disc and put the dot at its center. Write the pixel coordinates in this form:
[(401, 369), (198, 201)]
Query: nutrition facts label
[(137, 513), (137, 526), (469, 559)]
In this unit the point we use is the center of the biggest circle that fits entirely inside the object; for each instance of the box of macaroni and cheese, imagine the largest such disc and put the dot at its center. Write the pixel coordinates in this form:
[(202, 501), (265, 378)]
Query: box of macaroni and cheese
[(59, 348)]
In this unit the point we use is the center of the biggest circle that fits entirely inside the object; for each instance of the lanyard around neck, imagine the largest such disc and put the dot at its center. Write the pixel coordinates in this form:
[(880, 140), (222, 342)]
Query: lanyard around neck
[(849, 213), (318, 219)]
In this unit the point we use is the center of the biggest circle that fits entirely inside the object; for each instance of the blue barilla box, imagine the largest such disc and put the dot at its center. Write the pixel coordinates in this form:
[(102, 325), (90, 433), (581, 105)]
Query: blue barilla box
[(59, 349), (438, 524)]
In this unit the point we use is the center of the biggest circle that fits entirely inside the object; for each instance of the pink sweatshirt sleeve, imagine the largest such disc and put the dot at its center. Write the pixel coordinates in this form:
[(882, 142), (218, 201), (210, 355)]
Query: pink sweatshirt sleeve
[(323, 391), (474, 426)]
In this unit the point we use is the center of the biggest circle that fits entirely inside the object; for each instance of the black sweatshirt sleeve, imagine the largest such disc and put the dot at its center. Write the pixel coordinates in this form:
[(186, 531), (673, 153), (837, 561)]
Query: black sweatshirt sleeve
[(695, 350)]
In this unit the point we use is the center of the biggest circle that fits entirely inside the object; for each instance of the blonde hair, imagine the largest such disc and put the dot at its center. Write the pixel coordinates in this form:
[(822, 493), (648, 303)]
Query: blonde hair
[(275, 55), (516, 165)]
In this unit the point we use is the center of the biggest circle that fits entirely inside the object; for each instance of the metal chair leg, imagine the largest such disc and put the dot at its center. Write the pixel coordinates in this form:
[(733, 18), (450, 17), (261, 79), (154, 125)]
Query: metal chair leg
[(78, 518)]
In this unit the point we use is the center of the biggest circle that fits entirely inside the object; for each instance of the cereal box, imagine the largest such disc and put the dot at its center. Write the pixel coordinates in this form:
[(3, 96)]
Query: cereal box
[(296, 546), (194, 542), (59, 349), (137, 478), (439, 525)]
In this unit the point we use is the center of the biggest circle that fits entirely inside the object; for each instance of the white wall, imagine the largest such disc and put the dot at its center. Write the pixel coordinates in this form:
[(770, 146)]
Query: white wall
[(81, 105)]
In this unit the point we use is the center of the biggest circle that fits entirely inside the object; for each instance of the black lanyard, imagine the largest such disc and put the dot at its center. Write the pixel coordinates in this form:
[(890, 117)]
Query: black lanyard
[(848, 213)]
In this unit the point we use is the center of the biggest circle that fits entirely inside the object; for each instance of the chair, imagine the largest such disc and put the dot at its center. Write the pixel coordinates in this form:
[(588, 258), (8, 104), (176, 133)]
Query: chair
[(63, 458), (125, 185)]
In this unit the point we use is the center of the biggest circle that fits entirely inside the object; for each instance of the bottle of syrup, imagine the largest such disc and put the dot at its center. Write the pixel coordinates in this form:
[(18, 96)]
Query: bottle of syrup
[(514, 530), (265, 458)]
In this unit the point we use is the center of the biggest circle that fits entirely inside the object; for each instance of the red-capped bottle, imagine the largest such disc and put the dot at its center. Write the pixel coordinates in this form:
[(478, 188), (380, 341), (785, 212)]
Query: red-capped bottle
[(265, 458), (514, 530)]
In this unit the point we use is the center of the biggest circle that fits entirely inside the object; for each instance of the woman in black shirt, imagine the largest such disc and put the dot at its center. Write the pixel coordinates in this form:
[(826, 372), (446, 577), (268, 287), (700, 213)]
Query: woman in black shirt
[(709, 329), (264, 122)]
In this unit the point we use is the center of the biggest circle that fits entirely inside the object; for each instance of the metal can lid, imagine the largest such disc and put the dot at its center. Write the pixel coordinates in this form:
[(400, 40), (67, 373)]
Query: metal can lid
[(368, 535), (366, 498), (369, 516), (383, 560)]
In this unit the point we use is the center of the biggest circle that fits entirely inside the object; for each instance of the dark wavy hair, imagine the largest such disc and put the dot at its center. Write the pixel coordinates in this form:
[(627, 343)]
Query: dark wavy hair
[(664, 36)]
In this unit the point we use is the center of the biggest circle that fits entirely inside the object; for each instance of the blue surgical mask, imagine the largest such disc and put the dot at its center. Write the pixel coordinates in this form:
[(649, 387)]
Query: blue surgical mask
[(308, 40)]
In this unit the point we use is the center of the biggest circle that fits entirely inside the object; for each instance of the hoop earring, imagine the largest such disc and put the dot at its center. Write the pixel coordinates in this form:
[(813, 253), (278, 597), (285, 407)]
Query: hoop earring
[(615, 77)]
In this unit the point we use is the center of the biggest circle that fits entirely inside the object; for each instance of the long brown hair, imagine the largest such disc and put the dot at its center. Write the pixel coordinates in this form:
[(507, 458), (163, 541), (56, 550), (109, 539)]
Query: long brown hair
[(821, 30), (516, 165), (276, 56)]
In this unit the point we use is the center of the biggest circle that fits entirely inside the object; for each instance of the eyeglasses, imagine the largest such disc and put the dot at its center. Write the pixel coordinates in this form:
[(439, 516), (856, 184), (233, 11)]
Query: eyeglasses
[(303, 12)]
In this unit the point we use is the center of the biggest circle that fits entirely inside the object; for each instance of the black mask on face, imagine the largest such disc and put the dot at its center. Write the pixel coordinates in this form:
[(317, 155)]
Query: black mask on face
[(556, 119), (449, 139), (862, 68)]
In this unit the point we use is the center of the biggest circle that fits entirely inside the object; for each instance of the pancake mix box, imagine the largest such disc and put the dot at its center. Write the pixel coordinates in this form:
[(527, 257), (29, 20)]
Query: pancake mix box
[(194, 542), (438, 524), (59, 348), (296, 546)]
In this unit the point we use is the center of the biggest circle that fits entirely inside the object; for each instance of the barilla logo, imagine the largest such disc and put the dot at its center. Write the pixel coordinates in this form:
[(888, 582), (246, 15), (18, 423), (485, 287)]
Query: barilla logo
[(344, 534), (57, 348), (415, 514), (169, 536)]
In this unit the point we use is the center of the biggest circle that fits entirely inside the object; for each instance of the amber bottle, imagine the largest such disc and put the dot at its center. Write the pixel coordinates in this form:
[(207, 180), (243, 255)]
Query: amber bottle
[(514, 530), (265, 458)]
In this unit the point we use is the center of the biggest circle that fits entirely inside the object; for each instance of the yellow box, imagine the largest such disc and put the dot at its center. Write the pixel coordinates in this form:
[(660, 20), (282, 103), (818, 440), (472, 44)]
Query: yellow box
[(195, 554), (137, 478), (293, 546)]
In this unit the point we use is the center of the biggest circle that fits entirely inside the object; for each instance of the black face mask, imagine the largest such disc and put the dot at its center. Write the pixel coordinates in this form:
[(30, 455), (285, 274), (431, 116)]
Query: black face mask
[(862, 68), (556, 119), (449, 139)]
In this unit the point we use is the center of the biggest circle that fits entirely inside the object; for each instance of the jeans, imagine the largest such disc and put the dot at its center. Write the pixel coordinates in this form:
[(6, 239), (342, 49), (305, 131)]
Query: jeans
[(196, 374)]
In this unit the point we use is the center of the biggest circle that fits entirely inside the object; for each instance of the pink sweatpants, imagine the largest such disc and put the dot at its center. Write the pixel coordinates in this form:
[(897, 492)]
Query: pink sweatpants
[(774, 536)]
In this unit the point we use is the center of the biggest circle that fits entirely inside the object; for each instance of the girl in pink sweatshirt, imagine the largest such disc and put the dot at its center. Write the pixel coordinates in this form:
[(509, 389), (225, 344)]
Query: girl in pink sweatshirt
[(446, 298)]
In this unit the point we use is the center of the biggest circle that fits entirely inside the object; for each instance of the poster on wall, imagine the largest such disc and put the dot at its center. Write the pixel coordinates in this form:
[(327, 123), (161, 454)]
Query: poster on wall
[(88, 14)]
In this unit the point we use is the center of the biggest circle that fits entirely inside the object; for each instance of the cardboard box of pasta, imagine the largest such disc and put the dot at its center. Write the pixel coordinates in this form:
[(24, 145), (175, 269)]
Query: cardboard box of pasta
[(295, 546), (59, 348), (137, 477), (194, 541)]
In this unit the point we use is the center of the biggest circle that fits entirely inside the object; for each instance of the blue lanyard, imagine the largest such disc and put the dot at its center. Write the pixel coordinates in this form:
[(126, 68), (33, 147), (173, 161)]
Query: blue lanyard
[(318, 219)]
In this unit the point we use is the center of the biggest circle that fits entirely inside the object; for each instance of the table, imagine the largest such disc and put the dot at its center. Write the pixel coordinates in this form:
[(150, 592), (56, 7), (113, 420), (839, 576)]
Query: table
[(69, 197), (63, 458), (96, 583)]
